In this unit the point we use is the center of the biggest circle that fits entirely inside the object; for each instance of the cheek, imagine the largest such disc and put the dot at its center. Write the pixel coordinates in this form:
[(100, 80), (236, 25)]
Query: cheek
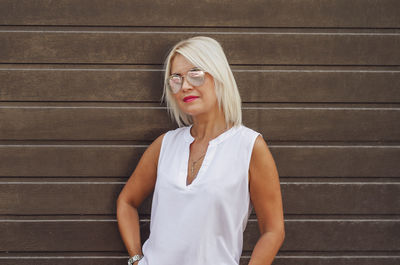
[(209, 100), (209, 90), (211, 95)]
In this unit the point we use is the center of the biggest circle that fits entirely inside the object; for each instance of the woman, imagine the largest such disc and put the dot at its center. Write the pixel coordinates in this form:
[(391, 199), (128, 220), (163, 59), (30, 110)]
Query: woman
[(206, 175)]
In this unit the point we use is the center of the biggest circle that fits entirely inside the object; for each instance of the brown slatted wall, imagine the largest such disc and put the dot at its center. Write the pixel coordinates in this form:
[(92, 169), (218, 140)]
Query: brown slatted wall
[(80, 89)]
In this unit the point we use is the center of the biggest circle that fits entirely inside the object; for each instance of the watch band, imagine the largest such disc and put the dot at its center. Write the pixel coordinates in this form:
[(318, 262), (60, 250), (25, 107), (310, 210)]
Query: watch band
[(134, 258)]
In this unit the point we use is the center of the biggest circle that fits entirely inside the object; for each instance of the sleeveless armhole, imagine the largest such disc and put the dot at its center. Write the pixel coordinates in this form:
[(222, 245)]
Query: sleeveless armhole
[(253, 138), (162, 148)]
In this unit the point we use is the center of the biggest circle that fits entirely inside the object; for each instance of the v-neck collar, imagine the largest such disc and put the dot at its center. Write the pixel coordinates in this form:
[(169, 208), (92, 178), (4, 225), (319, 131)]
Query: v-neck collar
[(189, 138), (209, 155)]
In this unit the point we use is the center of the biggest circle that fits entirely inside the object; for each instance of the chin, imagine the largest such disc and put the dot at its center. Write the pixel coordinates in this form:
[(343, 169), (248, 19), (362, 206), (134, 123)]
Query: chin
[(195, 110)]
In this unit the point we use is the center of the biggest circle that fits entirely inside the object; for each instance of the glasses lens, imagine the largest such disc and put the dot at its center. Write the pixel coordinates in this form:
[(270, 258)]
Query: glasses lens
[(195, 77), (175, 83)]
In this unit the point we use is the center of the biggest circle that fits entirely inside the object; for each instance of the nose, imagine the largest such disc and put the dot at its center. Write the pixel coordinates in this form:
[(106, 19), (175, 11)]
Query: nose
[(186, 84)]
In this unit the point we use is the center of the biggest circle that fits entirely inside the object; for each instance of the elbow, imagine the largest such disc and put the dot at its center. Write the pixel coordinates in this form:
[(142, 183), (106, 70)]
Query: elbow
[(282, 235), (118, 205), (123, 203), (119, 200), (123, 208), (279, 235)]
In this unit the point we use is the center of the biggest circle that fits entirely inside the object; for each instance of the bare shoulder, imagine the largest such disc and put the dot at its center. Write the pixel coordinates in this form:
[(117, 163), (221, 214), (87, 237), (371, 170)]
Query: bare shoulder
[(260, 148), (261, 156), (260, 144)]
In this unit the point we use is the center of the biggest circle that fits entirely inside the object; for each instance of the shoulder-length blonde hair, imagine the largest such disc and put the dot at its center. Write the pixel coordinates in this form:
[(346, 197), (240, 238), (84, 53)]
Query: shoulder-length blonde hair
[(206, 53)]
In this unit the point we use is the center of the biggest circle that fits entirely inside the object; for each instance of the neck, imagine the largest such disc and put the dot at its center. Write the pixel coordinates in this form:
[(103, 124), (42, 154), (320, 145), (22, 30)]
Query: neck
[(207, 126)]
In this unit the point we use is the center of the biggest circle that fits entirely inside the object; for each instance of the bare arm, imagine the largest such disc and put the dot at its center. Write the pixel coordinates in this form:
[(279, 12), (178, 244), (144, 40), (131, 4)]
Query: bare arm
[(140, 184), (265, 194)]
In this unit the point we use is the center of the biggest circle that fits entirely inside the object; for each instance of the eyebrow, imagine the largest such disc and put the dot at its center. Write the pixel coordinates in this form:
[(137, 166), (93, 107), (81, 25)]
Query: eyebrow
[(195, 67)]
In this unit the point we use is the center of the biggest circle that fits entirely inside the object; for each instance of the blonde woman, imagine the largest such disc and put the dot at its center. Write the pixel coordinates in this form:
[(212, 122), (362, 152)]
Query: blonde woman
[(206, 175)]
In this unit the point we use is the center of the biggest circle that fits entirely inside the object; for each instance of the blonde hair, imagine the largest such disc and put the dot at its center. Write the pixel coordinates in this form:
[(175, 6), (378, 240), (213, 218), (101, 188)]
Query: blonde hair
[(206, 53)]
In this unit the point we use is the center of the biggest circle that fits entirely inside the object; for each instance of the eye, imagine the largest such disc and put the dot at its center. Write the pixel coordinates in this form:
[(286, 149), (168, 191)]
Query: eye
[(175, 78), (194, 69), (196, 74)]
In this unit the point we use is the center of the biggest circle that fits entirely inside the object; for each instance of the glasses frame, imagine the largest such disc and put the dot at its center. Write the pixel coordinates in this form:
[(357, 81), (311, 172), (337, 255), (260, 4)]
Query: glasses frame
[(183, 77)]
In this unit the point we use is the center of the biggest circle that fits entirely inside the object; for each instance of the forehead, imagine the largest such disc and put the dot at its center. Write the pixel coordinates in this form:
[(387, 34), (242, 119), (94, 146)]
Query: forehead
[(180, 64)]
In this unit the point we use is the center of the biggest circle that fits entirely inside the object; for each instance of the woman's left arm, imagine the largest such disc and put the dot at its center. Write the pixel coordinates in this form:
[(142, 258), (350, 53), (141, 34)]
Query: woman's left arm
[(265, 194)]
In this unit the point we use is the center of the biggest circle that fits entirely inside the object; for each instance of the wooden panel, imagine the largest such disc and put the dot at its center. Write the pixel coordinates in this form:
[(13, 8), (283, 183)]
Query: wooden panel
[(81, 84), (69, 160), (258, 13), (59, 235), (324, 259), (120, 160), (331, 235), (342, 52), (113, 122), (341, 198), (47, 198), (146, 122), (103, 235), (259, 84), (117, 259), (242, 47)]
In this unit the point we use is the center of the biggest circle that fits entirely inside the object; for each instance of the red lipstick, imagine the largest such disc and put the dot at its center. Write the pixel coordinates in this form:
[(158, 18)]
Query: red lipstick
[(189, 98)]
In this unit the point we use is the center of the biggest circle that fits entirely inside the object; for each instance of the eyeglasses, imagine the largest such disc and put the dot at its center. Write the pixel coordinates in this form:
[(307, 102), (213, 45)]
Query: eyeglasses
[(194, 76)]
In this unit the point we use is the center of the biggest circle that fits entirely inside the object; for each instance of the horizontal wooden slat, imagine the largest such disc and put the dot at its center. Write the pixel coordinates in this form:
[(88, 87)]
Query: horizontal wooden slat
[(146, 122), (280, 259), (47, 198), (120, 160), (331, 235), (324, 259), (151, 47), (103, 235), (259, 13), (71, 235), (69, 160), (341, 198), (266, 84)]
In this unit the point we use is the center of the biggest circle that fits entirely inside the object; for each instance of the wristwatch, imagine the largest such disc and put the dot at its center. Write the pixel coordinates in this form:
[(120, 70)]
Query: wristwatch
[(132, 259)]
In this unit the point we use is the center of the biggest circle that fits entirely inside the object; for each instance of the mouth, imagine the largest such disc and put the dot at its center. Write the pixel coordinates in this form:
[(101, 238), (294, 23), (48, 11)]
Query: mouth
[(189, 98)]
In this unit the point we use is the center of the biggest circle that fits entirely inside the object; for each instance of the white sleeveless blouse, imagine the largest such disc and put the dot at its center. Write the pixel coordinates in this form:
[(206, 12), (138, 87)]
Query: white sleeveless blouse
[(202, 223)]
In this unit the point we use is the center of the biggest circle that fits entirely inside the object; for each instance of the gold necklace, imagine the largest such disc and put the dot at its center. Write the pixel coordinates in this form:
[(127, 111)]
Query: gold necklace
[(193, 163)]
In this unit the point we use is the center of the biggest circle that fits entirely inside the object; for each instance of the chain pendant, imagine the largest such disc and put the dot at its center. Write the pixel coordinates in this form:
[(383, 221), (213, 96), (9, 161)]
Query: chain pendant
[(193, 166)]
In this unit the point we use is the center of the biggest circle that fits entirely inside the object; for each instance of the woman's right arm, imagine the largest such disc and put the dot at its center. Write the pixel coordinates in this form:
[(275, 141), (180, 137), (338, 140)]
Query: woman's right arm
[(139, 185)]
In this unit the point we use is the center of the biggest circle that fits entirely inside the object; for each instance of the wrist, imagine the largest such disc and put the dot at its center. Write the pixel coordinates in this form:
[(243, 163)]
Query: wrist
[(134, 260)]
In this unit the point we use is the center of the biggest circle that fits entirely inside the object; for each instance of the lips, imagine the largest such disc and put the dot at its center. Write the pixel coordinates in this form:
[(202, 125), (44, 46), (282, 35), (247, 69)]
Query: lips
[(189, 98)]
